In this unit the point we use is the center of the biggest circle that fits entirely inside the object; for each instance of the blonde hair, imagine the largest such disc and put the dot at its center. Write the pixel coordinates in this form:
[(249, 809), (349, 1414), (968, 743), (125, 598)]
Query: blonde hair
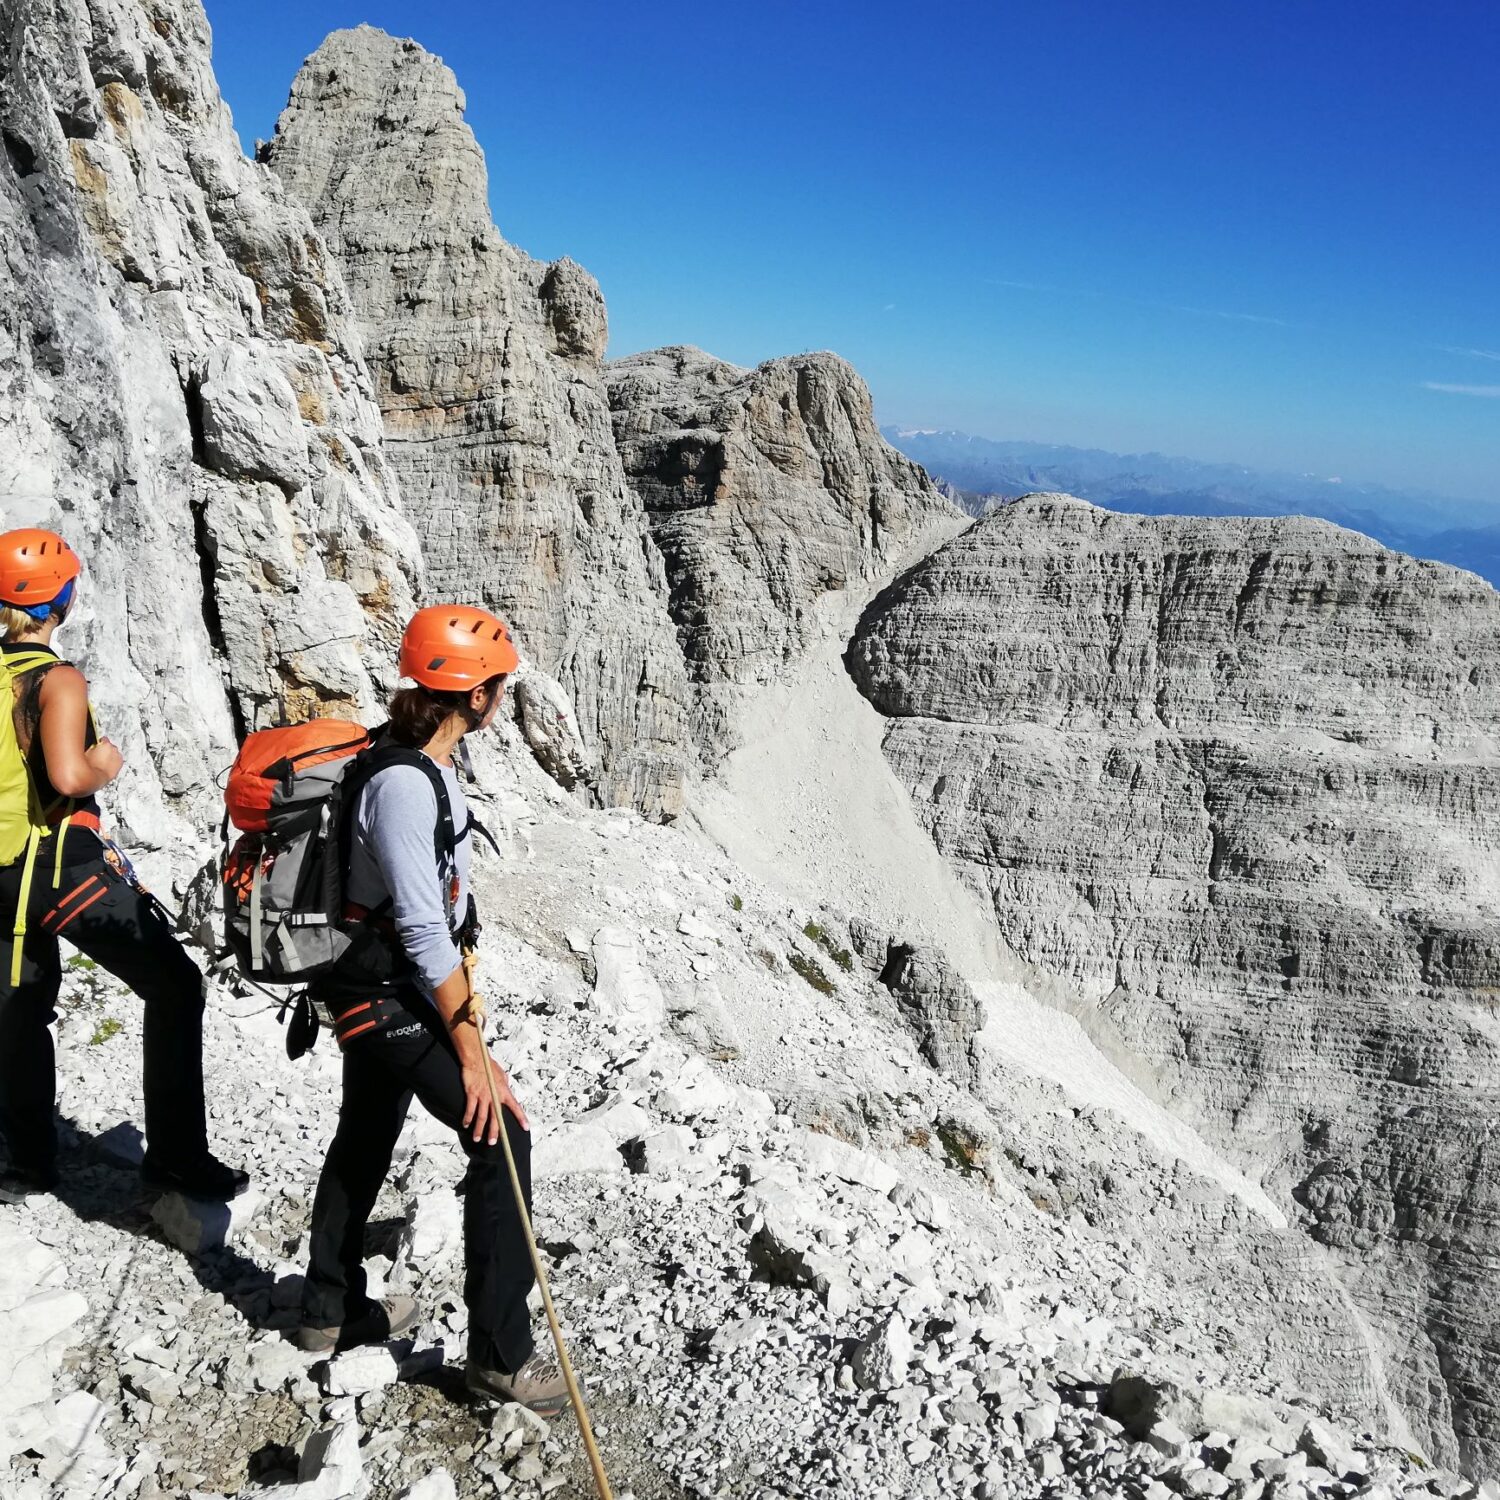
[(16, 622)]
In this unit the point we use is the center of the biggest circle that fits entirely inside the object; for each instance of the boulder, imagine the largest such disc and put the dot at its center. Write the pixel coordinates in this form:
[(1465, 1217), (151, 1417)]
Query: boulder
[(826, 1153), (432, 1233), (197, 1225), (882, 1360), (437, 1485), (578, 1147), (1326, 1448), (359, 1372), (248, 414), (621, 1119), (696, 1092), (331, 1467), (624, 991)]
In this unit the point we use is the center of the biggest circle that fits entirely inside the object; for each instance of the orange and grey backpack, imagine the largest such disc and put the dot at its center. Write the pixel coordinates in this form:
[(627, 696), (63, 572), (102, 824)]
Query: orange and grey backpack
[(291, 792), (283, 888)]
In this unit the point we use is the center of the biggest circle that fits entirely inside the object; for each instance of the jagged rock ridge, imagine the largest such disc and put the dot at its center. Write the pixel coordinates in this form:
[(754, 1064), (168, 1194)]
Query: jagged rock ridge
[(487, 370), (182, 392), (1241, 781), (765, 489), (656, 601)]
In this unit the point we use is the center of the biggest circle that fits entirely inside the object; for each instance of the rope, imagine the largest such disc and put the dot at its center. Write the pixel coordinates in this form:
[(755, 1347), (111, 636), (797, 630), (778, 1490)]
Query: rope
[(476, 1011)]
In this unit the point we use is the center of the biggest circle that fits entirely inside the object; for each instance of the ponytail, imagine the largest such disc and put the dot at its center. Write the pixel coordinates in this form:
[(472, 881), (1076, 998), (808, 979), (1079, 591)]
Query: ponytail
[(15, 622), (417, 713), (18, 620)]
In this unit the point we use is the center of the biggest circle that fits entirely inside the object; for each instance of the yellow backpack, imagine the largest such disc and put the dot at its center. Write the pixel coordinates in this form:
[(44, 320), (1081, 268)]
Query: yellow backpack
[(24, 822)]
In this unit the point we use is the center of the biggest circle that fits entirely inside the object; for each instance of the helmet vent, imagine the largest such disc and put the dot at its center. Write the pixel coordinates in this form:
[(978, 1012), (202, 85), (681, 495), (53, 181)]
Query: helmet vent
[(436, 663)]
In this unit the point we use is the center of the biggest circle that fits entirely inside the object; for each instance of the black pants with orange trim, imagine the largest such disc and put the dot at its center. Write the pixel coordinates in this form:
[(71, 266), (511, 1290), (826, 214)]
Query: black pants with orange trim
[(108, 920), (383, 1070)]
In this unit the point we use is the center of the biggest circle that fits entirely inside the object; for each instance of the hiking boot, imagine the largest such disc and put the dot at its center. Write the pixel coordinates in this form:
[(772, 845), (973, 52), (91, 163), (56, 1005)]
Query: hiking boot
[(18, 1183), (377, 1323), (201, 1177), (538, 1385)]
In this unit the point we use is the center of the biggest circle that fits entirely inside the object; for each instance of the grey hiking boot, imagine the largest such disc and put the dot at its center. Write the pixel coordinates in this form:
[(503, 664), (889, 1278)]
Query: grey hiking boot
[(538, 1385), (379, 1322)]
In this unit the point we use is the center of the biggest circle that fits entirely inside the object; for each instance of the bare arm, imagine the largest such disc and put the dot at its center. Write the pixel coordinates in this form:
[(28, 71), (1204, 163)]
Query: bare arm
[(73, 770), (452, 998)]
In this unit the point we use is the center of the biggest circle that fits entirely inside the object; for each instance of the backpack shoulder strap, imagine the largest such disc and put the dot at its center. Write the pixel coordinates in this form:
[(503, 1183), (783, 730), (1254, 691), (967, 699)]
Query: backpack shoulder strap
[(33, 664), (383, 756), (368, 764), (19, 663)]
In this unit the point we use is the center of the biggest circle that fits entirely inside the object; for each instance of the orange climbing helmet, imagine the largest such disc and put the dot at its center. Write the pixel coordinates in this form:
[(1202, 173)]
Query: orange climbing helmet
[(455, 647), (35, 566)]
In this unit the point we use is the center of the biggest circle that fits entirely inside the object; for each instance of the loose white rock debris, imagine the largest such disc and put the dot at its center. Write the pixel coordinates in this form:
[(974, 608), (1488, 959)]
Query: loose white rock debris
[(802, 1264)]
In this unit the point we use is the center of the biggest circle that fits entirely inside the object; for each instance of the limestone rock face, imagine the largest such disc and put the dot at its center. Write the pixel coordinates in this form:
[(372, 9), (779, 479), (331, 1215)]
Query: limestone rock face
[(486, 364), (1239, 780), (183, 394), (765, 489)]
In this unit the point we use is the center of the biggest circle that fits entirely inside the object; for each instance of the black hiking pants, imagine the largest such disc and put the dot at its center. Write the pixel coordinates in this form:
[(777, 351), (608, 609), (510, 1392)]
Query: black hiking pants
[(382, 1071), (107, 919)]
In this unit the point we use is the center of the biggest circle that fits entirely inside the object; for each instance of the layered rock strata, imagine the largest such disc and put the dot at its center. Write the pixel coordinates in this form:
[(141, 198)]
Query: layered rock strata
[(659, 591), (487, 369), (1240, 782), (183, 394), (765, 489)]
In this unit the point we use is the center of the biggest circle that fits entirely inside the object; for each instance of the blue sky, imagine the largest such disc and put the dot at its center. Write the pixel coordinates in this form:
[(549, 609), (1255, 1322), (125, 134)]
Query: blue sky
[(1260, 233)]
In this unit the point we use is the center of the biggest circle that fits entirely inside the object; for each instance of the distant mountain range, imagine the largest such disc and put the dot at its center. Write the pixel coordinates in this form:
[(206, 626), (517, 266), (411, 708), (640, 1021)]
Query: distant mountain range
[(980, 470)]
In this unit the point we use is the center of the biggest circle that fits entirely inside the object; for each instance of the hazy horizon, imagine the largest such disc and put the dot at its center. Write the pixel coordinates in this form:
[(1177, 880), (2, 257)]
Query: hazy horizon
[(1355, 482)]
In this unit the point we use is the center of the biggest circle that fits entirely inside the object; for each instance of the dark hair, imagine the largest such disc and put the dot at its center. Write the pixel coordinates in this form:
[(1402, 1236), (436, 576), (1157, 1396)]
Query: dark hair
[(417, 713)]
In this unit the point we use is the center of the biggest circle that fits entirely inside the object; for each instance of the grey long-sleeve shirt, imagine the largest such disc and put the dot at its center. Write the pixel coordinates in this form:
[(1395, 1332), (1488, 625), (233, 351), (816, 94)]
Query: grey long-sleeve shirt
[(392, 854)]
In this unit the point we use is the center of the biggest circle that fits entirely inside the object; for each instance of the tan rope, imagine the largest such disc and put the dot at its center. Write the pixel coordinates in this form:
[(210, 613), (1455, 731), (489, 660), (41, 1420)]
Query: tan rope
[(476, 1013)]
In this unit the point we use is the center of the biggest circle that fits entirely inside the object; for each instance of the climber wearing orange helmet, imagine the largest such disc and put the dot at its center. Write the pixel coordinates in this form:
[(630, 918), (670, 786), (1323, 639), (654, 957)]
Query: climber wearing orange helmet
[(399, 1000), (60, 877)]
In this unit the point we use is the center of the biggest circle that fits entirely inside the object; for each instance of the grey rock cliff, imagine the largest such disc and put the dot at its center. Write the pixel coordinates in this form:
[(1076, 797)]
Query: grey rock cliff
[(660, 591), (1240, 781), (765, 489), (486, 365), (183, 394)]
